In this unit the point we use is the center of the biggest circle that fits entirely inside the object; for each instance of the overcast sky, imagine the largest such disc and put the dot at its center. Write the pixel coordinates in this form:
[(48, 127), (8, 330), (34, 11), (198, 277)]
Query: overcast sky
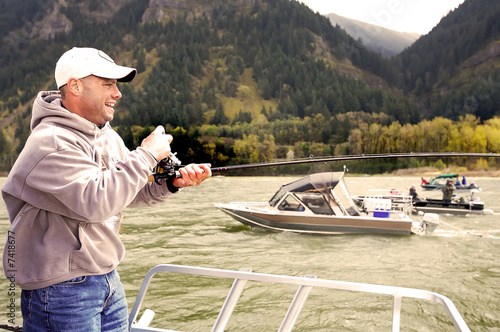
[(401, 15)]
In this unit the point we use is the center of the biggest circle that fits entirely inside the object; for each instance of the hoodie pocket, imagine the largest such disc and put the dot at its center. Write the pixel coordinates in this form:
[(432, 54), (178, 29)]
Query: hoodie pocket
[(101, 248)]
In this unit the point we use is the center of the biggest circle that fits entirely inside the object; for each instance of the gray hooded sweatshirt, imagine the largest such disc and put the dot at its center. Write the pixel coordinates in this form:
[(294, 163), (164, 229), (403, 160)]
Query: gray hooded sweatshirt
[(64, 196)]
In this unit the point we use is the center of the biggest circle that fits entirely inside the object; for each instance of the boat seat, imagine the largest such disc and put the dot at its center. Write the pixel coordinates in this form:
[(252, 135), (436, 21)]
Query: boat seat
[(353, 211)]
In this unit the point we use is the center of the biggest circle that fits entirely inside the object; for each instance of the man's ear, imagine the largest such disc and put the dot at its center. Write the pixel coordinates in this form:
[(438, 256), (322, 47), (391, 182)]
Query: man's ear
[(75, 86)]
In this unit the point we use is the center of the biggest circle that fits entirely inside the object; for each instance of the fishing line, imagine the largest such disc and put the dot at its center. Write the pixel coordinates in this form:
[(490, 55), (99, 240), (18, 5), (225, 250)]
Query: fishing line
[(461, 229), (169, 166)]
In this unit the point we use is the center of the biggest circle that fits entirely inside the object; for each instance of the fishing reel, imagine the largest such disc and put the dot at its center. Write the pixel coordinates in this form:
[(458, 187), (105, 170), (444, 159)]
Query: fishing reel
[(167, 168)]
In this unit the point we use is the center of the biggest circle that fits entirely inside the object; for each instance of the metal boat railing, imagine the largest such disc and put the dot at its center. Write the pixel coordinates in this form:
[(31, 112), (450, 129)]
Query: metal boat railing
[(399, 201), (305, 284)]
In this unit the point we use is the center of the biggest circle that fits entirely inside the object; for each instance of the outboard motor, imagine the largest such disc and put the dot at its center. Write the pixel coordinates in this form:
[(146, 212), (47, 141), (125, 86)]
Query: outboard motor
[(429, 222)]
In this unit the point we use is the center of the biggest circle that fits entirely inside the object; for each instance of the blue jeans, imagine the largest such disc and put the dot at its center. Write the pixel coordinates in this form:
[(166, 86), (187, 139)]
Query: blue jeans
[(86, 304)]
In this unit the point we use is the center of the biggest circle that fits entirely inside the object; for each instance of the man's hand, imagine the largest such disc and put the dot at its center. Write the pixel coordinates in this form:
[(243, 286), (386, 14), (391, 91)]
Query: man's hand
[(158, 143), (193, 175)]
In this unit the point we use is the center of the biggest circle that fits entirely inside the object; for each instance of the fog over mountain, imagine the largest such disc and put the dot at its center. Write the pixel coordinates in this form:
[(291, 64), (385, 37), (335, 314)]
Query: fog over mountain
[(384, 41)]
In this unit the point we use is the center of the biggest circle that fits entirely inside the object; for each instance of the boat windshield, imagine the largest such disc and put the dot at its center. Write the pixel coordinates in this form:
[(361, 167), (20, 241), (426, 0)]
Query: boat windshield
[(277, 197), (316, 202), (290, 203), (341, 193)]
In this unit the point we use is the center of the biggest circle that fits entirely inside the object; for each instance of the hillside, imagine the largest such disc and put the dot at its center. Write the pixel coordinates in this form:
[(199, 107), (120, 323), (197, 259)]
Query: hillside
[(199, 50), (455, 69), (243, 80), (378, 39)]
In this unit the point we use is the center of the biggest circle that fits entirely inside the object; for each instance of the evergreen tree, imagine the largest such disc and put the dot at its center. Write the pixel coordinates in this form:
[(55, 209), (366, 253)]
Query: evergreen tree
[(219, 117)]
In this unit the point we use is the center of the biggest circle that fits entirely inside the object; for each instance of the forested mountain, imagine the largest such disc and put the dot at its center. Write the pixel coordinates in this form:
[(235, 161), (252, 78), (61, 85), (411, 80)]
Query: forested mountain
[(455, 69), (381, 40), (234, 80)]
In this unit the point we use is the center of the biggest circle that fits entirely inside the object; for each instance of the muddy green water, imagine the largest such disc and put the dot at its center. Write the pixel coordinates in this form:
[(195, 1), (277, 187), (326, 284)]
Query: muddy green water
[(461, 260)]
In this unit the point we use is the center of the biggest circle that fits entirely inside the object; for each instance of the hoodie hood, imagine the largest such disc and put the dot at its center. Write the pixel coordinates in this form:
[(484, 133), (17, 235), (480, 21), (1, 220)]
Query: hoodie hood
[(48, 107)]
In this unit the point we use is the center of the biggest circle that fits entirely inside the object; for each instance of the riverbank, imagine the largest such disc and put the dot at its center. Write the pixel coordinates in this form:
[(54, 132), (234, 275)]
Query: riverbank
[(427, 172)]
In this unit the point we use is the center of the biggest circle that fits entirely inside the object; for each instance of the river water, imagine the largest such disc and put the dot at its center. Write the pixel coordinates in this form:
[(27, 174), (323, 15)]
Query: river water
[(461, 260)]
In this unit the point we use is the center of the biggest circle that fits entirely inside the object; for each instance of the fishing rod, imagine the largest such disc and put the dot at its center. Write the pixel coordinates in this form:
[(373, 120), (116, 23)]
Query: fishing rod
[(169, 167)]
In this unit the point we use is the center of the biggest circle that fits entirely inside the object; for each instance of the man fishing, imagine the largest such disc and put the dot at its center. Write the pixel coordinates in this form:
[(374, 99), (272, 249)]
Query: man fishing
[(65, 194), (448, 191)]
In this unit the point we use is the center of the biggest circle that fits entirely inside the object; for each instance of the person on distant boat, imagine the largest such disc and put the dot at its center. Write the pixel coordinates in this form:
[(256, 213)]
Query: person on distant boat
[(65, 193), (448, 191), (464, 182), (414, 194), (424, 181)]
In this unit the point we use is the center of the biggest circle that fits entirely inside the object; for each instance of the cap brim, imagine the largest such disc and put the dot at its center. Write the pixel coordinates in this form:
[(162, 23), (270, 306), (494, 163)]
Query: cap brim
[(119, 73), (129, 77)]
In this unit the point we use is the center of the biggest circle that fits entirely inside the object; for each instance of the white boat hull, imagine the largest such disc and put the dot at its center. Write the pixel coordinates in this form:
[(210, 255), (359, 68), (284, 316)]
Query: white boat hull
[(317, 224), (321, 204)]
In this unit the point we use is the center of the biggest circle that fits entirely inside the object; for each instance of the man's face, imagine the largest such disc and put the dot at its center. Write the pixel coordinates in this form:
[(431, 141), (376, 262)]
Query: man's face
[(99, 98)]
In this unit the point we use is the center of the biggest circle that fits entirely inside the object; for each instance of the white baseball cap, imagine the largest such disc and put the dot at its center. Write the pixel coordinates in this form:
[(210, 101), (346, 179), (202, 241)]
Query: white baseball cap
[(80, 62)]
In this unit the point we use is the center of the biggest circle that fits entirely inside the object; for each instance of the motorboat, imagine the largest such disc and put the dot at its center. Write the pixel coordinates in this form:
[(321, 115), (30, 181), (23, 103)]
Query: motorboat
[(462, 205), (439, 181), (458, 205), (320, 203), (304, 286)]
